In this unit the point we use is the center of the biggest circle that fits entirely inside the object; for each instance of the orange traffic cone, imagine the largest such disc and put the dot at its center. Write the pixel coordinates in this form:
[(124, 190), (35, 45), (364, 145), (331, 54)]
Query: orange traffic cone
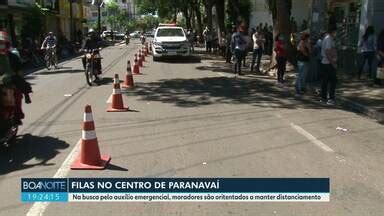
[(145, 50), (128, 83), (143, 55), (136, 68), (117, 99), (90, 157), (140, 59)]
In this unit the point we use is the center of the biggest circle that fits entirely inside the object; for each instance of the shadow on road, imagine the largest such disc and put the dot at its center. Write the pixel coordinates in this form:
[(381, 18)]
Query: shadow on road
[(27, 147), (206, 91), (180, 60), (104, 81), (59, 71), (115, 167)]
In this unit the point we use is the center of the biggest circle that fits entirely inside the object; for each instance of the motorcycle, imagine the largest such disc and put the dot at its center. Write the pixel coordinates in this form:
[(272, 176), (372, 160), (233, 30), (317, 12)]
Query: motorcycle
[(142, 39), (92, 65)]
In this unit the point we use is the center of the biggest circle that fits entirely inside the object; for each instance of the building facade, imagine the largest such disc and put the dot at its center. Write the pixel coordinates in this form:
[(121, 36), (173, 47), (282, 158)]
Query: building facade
[(301, 10)]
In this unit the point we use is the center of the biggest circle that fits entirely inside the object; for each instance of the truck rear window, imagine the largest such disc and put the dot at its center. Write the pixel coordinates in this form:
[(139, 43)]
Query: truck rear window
[(170, 33)]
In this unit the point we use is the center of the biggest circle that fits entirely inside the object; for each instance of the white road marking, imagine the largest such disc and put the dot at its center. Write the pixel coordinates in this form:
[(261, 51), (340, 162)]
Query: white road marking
[(109, 99), (306, 134), (311, 138), (38, 208)]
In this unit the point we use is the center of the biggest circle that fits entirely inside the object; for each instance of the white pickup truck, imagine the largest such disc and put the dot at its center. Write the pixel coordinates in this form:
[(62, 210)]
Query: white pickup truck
[(170, 41)]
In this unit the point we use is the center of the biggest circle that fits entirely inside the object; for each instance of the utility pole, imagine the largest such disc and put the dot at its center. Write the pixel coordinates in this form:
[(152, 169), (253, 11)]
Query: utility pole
[(99, 17), (71, 19)]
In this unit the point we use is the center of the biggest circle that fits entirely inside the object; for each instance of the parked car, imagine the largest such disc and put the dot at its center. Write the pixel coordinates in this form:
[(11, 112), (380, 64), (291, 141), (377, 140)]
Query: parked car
[(116, 35), (149, 33), (135, 34)]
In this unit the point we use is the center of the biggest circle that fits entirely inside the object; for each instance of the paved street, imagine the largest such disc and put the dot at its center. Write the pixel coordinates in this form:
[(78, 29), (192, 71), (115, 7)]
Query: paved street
[(188, 120)]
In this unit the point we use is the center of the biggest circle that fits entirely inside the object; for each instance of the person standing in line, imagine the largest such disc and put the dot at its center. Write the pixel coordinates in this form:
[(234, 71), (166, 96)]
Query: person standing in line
[(270, 38), (238, 47), (380, 55), (222, 44), (281, 57), (248, 42), (368, 50), (228, 48), (303, 55), (258, 48), (208, 39), (329, 67), (317, 54)]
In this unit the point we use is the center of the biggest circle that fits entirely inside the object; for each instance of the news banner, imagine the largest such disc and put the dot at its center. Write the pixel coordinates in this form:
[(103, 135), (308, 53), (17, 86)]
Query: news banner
[(175, 189)]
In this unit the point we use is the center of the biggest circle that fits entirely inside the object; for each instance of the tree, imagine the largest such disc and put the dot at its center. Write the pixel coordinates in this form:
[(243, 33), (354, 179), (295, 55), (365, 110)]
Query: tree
[(239, 11), (33, 21), (281, 13)]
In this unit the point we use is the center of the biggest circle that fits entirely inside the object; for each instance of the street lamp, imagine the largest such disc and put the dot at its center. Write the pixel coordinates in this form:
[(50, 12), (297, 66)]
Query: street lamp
[(98, 4)]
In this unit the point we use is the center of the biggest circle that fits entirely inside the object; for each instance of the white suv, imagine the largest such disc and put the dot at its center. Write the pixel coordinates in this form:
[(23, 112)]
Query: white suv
[(170, 41)]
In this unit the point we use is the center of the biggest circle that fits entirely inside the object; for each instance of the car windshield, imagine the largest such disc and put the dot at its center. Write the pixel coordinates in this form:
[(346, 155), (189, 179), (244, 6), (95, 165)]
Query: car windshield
[(171, 32)]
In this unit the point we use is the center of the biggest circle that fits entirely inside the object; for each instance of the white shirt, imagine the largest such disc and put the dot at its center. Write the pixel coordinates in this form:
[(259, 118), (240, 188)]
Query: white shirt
[(328, 43), (258, 41)]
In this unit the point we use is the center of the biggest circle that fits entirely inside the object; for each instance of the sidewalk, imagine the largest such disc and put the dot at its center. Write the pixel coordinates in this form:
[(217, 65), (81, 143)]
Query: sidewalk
[(356, 95)]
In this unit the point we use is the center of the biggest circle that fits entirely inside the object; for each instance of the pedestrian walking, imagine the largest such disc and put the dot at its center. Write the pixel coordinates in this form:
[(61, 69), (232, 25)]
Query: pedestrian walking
[(368, 50), (329, 66), (281, 56), (238, 47), (258, 47), (303, 55)]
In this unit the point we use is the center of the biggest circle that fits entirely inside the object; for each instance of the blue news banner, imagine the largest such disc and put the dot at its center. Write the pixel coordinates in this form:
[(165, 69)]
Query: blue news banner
[(175, 189)]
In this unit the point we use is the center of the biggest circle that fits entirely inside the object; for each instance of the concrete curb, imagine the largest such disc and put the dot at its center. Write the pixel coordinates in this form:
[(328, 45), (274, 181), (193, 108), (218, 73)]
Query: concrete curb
[(357, 107), (354, 106)]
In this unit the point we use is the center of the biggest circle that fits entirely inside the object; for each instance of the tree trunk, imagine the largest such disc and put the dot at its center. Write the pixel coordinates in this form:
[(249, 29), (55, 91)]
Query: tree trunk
[(220, 10), (187, 17), (283, 26), (208, 10), (198, 18), (235, 10), (193, 18)]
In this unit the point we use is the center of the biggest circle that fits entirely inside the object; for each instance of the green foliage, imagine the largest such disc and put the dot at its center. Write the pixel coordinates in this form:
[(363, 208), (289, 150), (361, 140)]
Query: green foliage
[(34, 21), (163, 8), (239, 11)]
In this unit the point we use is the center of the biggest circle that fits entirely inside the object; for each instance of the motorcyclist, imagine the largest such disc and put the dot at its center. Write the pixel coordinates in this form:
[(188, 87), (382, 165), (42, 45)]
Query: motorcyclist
[(50, 42), (92, 42), (142, 38), (11, 77), (127, 37)]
